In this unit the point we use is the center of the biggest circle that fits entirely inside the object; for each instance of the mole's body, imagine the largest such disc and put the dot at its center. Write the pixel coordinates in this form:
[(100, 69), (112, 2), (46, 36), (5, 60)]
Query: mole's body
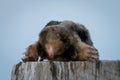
[(65, 41)]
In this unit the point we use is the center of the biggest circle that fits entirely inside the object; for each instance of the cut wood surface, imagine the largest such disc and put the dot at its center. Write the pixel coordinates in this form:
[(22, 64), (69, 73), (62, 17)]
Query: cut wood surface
[(72, 70)]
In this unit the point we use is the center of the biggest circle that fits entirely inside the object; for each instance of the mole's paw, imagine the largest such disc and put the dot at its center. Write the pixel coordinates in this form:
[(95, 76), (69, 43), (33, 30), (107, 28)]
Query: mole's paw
[(88, 52), (27, 59)]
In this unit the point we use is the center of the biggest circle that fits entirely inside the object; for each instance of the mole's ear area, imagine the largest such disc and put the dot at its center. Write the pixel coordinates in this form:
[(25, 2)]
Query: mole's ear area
[(64, 36)]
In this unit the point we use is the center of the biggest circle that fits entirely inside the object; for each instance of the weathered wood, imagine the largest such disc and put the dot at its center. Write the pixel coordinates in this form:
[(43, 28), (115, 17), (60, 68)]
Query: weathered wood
[(73, 70)]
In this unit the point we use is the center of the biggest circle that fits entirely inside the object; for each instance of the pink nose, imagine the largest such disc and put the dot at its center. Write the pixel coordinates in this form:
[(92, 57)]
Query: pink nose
[(51, 56), (51, 52)]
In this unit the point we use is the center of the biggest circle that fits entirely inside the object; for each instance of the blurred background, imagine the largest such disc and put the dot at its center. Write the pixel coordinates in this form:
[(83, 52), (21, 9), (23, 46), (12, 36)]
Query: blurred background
[(22, 20)]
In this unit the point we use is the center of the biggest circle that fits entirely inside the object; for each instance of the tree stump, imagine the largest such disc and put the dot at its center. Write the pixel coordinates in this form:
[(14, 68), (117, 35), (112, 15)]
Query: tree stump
[(72, 70)]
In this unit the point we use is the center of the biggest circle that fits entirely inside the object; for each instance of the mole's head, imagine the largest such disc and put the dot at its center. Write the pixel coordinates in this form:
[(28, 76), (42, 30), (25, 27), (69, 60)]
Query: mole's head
[(53, 42)]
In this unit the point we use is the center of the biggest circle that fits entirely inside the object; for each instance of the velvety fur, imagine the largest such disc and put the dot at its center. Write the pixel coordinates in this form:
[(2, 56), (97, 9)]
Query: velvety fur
[(75, 40), (69, 40)]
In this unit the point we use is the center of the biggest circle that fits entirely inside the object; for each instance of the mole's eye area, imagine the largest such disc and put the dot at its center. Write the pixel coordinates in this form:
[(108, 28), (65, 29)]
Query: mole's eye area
[(47, 46), (55, 44)]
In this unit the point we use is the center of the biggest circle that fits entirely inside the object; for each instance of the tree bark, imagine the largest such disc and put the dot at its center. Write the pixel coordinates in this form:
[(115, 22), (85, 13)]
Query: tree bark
[(72, 70)]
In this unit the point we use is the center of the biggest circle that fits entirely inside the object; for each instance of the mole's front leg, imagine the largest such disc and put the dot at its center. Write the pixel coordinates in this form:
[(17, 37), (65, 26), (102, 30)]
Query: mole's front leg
[(31, 53), (88, 52)]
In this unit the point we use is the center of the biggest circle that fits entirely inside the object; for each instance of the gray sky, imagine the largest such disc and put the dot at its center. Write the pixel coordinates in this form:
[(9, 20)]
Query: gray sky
[(22, 20)]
